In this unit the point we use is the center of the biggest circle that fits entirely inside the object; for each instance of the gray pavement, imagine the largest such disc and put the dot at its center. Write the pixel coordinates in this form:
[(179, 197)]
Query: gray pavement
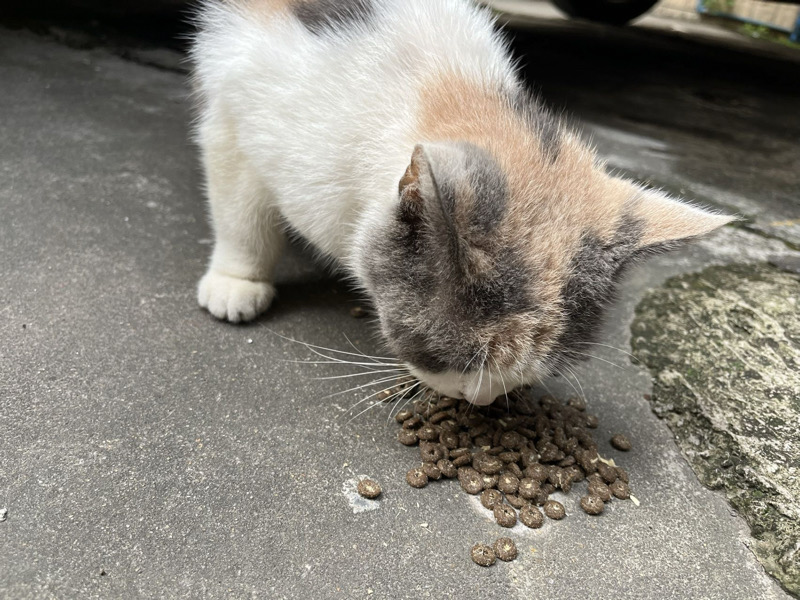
[(147, 450)]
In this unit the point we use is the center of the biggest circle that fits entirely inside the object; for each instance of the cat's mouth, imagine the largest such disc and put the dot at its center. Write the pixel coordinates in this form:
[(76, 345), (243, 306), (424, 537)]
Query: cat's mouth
[(478, 388)]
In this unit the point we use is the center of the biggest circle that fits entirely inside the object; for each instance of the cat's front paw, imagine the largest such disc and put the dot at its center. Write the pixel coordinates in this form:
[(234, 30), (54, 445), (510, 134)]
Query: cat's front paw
[(233, 299)]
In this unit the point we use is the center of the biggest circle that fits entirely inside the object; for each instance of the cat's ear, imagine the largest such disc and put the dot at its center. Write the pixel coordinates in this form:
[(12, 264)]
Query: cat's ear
[(664, 222), (416, 184)]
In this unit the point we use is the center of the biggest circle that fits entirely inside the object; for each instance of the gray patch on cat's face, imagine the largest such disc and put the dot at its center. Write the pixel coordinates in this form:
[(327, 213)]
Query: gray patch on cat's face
[(319, 16), (432, 302), (596, 271)]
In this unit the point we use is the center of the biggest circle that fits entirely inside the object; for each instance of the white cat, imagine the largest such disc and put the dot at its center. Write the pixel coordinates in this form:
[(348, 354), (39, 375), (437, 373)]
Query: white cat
[(397, 139)]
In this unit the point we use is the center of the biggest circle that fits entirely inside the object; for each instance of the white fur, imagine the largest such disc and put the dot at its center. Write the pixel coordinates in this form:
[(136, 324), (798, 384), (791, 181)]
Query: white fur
[(317, 131)]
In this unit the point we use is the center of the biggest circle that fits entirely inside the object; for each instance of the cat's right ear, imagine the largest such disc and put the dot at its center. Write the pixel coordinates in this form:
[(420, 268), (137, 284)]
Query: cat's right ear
[(416, 184)]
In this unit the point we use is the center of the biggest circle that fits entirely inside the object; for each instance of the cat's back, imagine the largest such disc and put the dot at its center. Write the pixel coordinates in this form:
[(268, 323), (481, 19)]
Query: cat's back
[(351, 46)]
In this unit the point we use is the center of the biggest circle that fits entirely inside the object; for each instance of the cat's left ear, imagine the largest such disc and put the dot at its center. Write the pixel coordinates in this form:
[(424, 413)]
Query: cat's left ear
[(666, 221)]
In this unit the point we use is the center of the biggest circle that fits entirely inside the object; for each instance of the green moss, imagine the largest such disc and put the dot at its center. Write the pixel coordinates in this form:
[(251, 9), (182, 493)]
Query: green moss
[(722, 345)]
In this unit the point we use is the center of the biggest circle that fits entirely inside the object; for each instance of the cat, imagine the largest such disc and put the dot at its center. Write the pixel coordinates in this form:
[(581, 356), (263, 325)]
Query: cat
[(396, 137)]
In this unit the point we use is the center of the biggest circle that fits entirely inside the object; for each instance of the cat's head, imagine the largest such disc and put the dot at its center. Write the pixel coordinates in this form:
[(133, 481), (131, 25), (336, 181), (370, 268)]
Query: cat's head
[(484, 281)]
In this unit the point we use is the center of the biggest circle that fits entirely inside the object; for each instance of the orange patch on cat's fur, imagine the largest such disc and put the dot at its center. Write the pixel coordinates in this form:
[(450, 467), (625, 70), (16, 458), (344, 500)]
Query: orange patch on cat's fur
[(588, 200)]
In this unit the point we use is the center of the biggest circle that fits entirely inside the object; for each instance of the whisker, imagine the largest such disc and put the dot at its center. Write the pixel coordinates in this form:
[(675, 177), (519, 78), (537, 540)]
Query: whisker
[(372, 396), (578, 381), (351, 362), (306, 344), (361, 387), (613, 348), (407, 391), (598, 358), (370, 366), (572, 385), (505, 391), (375, 358), (373, 405), (356, 374)]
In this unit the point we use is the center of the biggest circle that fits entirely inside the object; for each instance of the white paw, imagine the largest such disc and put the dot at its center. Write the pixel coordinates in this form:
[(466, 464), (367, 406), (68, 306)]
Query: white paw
[(233, 299)]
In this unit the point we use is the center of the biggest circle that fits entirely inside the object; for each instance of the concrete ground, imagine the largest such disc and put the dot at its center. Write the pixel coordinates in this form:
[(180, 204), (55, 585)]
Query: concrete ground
[(147, 450)]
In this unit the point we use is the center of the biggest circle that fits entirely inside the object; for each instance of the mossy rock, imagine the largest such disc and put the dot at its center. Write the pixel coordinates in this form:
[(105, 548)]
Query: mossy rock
[(724, 349)]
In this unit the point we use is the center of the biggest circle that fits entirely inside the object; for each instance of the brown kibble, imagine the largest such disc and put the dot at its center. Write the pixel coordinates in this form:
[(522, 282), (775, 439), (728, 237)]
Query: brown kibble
[(369, 488), (514, 469), (622, 474), (489, 481), (430, 452), (517, 501), (407, 437), (449, 439), (431, 470), (428, 432), (403, 415), (508, 484), (491, 497), (554, 510), (577, 403), (599, 489), (620, 490), (505, 515), (505, 549), (592, 421), (459, 452), (509, 457), (447, 468), (607, 472), (416, 478), (592, 505), (470, 480), (620, 442), (531, 517), (528, 488), (482, 555), (412, 423), (462, 460), (537, 472), (486, 463), (439, 416), (512, 440)]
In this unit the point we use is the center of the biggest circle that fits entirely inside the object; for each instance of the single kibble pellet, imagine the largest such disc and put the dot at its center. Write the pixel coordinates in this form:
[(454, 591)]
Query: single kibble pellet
[(600, 489), (403, 415), (459, 452), (447, 468), (417, 478), (592, 421), (369, 488), (607, 472), (592, 505), (431, 470), (491, 497), (554, 510), (505, 515), (482, 555), (487, 464), (461, 461), (620, 490), (412, 423), (489, 481), (449, 439), (622, 474), (505, 549), (531, 517), (528, 488), (407, 437), (508, 484), (428, 432), (470, 480), (620, 442)]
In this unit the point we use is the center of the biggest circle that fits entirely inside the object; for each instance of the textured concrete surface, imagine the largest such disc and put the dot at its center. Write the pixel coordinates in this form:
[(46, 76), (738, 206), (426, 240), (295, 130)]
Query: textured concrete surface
[(150, 451), (724, 348)]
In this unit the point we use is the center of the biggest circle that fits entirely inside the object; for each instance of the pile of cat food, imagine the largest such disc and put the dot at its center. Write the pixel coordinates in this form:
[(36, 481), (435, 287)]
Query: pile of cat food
[(514, 454)]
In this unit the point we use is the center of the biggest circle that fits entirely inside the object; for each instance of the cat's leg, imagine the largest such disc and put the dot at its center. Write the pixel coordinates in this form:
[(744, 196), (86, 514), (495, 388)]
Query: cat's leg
[(247, 230)]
